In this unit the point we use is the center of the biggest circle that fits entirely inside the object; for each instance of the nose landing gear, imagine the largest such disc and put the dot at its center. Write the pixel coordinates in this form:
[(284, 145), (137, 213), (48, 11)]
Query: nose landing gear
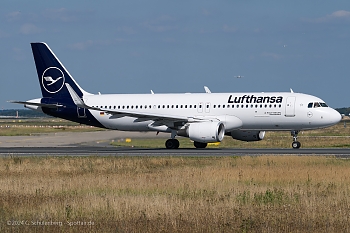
[(295, 143)]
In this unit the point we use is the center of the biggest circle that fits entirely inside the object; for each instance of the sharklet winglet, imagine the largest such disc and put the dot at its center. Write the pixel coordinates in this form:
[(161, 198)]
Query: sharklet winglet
[(76, 99)]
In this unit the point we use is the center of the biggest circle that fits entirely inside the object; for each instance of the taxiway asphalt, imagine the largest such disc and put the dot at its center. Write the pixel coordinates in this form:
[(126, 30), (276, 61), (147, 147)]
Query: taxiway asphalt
[(98, 144)]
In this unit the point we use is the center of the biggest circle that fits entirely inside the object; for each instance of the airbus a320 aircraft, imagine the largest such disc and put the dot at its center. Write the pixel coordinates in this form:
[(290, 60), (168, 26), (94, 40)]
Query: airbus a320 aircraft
[(202, 117)]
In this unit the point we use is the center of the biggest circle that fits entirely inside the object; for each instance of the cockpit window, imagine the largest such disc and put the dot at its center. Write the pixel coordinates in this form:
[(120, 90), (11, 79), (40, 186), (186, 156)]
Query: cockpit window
[(317, 105)]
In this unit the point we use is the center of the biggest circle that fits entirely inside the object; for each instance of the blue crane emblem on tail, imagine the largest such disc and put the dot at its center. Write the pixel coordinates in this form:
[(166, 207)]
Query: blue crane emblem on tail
[(52, 80)]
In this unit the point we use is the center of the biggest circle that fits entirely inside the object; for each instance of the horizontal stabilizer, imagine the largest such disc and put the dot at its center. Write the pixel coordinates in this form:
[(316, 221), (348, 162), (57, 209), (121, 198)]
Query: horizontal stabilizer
[(36, 104)]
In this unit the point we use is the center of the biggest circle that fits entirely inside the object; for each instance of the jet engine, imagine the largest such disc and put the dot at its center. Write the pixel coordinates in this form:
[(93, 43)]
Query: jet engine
[(247, 135), (207, 131)]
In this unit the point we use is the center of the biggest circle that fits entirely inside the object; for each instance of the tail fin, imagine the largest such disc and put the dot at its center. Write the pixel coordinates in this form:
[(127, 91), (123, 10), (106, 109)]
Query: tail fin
[(52, 74)]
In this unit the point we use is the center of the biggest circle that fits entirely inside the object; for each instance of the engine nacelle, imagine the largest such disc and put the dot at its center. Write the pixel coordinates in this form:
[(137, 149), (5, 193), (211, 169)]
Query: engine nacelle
[(207, 131), (248, 135)]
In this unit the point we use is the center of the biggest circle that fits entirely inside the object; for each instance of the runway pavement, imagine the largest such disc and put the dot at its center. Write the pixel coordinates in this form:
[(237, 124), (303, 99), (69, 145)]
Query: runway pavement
[(98, 144), (128, 151)]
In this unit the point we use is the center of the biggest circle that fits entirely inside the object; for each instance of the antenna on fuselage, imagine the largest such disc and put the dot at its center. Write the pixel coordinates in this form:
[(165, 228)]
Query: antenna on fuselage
[(207, 90)]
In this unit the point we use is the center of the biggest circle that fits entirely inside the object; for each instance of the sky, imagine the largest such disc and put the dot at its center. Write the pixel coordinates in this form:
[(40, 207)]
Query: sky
[(180, 46)]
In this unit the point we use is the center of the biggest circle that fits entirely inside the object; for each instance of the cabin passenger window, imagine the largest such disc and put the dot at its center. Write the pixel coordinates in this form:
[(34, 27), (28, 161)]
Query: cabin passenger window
[(214, 106)]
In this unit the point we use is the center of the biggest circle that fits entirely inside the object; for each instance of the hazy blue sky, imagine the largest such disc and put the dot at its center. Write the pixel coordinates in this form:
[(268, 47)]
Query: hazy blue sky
[(180, 46)]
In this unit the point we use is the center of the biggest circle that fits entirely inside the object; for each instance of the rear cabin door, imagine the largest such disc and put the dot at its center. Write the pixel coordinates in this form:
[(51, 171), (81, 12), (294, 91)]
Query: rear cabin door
[(81, 112)]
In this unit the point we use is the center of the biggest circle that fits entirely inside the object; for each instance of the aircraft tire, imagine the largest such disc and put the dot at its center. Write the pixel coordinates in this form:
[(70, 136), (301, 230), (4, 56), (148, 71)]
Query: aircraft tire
[(296, 145), (200, 144), (172, 144)]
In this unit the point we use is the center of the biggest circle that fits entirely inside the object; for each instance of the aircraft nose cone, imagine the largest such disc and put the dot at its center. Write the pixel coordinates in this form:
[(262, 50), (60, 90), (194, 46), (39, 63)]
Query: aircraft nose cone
[(335, 117)]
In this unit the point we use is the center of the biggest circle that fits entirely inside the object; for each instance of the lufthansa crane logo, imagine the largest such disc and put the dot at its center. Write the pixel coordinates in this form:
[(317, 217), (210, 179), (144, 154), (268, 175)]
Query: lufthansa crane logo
[(52, 80)]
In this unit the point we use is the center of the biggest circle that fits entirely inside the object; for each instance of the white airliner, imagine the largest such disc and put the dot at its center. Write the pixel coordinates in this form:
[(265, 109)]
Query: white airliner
[(202, 117)]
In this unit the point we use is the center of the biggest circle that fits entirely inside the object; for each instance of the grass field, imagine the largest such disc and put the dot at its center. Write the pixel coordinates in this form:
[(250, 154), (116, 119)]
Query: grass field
[(175, 194)]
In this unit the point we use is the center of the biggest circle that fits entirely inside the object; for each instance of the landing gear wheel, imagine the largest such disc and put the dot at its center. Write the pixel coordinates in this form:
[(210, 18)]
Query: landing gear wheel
[(296, 145), (172, 144), (200, 144)]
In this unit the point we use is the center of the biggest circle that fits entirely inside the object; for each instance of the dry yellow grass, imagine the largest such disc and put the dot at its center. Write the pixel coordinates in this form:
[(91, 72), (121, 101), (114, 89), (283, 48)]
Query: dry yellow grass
[(174, 194)]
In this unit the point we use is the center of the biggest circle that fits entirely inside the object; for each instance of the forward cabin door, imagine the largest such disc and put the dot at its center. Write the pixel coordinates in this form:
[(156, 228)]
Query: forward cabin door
[(290, 106)]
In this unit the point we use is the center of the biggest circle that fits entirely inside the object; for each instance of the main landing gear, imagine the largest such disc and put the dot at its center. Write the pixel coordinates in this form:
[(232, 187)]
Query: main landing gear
[(172, 143), (295, 143), (200, 144)]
